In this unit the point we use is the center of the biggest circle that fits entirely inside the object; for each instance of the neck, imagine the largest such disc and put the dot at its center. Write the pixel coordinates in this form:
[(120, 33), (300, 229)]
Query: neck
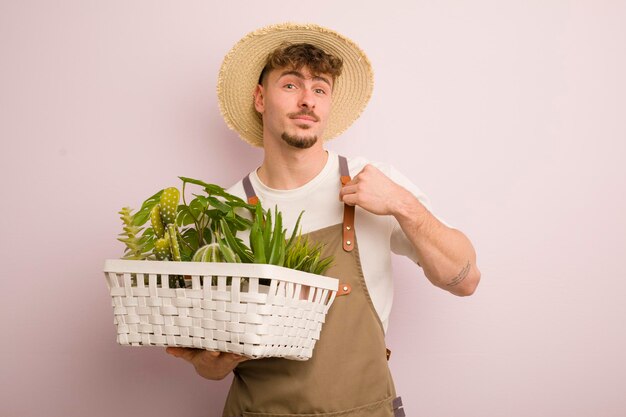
[(286, 168)]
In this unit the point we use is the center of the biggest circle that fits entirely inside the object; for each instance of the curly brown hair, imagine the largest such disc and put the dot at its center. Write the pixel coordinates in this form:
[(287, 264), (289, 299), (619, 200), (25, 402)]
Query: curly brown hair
[(298, 55)]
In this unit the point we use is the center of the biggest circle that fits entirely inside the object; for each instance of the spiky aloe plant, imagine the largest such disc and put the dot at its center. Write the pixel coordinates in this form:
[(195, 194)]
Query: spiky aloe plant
[(269, 244), (136, 247)]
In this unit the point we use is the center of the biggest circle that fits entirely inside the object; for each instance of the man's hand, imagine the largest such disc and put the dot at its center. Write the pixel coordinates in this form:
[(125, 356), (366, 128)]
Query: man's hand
[(208, 364), (373, 191)]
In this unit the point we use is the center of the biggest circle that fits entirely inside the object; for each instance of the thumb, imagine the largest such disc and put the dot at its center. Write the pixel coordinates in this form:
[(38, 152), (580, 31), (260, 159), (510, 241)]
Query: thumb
[(183, 353), (173, 351)]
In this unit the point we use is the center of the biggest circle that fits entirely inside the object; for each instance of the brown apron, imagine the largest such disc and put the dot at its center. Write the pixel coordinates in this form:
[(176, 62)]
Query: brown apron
[(348, 374)]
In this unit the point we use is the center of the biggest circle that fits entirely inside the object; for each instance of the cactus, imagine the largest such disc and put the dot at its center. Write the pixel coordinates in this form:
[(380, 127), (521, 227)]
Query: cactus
[(155, 220), (163, 220), (174, 247), (162, 248), (208, 253), (216, 252), (169, 205), (213, 252)]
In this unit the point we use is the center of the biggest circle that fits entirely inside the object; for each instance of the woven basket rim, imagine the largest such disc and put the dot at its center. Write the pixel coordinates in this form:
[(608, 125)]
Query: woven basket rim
[(220, 268)]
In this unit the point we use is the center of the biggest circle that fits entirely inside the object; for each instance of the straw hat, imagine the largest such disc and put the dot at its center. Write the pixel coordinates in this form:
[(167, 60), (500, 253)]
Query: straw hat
[(242, 66)]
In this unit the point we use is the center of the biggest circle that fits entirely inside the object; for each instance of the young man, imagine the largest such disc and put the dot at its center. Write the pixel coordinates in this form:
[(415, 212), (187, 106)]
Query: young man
[(288, 88)]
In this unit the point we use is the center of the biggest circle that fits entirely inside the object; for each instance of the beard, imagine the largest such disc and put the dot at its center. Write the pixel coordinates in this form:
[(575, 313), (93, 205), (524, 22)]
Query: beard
[(300, 142)]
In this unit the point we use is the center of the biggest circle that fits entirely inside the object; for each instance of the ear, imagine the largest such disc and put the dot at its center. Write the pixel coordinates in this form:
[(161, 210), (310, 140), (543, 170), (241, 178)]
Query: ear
[(259, 104)]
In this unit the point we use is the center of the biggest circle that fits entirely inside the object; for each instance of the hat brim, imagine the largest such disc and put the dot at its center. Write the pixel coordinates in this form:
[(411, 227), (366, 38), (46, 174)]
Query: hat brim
[(242, 66)]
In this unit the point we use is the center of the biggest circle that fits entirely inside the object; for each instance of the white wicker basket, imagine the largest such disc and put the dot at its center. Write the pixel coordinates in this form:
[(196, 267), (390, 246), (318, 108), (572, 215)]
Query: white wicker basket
[(236, 314)]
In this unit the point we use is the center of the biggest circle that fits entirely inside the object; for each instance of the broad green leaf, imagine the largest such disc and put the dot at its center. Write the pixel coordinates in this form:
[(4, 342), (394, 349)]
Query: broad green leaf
[(194, 181), (189, 238), (184, 216), (240, 223), (207, 236), (215, 216), (213, 189), (224, 208), (201, 199), (142, 216)]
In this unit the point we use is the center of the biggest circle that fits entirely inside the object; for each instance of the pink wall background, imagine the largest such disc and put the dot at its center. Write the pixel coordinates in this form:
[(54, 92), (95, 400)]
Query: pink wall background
[(509, 116)]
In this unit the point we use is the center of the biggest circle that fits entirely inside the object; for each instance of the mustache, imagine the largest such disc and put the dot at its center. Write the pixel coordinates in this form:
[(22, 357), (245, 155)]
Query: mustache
[(305, 112)]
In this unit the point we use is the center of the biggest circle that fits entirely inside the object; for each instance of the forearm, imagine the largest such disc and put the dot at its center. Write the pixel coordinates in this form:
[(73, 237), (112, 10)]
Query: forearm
[(446, 255)]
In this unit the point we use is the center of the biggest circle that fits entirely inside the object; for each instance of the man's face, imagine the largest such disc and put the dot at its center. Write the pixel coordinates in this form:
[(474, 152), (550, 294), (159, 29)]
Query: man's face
[(295, 105)]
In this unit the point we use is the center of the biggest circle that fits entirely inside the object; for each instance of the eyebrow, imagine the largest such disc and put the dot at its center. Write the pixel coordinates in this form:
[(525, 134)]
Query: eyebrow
[(301, 76)]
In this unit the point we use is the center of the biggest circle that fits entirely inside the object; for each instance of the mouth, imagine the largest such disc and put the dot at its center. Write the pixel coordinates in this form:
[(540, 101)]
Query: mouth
[(304, 117)]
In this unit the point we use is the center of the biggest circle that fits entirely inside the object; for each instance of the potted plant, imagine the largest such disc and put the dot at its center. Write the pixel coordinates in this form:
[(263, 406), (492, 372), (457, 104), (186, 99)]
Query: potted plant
[(187, 279)]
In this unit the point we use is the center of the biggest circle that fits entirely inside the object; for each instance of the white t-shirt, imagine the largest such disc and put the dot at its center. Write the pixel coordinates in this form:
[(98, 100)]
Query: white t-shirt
[(377, 236)]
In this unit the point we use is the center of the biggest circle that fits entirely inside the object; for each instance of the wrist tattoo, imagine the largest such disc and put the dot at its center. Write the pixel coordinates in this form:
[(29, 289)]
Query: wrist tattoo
[(461, 276)]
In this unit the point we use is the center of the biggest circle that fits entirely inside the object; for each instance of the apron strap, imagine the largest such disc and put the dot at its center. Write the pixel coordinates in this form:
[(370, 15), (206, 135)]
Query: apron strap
[(250, 194), (398, 411), (348, 211)]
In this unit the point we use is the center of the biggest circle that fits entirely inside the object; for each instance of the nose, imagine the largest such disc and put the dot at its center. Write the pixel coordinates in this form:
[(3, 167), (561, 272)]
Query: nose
[(307, 99)]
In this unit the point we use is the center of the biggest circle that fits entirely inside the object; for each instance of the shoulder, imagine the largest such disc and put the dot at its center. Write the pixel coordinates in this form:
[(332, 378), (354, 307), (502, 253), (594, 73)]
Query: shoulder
[(357, 163)]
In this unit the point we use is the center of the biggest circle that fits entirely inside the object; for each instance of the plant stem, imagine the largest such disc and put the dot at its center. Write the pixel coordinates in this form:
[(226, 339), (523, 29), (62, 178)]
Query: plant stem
[(200, 229), (196, 222), (183, 240)]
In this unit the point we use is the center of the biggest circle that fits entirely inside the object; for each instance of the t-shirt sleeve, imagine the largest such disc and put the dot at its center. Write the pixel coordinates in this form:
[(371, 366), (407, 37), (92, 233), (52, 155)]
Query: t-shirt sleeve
[(400, 244)]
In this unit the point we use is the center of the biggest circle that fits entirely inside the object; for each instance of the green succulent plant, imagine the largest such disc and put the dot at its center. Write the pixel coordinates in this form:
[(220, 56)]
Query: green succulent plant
[(205, 230), (136, 247), (269, 244)]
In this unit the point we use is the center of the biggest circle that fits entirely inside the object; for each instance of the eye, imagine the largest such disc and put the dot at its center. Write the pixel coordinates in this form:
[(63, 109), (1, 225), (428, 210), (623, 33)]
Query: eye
[(320, 91), (290, 86)]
